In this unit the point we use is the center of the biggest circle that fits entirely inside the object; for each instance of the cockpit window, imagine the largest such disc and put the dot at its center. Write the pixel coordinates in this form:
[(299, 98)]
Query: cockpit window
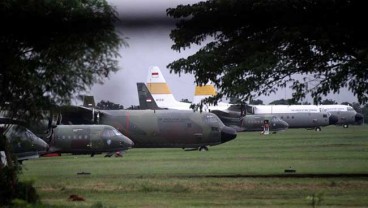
[(212, 120), (108, 133), (30, 135), (351, 109), (208, 118), (116, 132)]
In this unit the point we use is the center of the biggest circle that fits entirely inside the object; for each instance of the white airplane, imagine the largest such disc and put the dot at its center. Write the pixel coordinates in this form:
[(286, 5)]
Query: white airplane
[(345, 114), (309, 117)]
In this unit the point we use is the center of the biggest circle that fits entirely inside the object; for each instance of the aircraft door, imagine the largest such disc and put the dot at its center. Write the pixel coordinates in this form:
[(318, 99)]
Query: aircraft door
[(81, 139)]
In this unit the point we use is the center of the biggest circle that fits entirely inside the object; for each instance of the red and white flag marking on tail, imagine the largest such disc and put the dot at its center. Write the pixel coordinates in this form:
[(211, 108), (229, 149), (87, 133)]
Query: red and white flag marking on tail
[(154, 74)]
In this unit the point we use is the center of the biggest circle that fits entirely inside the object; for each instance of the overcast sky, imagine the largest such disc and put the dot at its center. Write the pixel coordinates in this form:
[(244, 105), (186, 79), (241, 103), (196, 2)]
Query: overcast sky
[(147, 28)]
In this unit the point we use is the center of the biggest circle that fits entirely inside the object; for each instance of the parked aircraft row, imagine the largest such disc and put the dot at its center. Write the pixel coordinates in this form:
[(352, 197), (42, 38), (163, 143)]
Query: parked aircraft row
[(83, 130), (157, 129), (296, 116), (246, 123)]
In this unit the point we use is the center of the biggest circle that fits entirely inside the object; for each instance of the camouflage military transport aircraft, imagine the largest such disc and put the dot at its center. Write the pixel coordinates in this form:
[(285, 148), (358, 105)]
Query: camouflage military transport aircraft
[(88, 139), (156, 129), (24, 143)]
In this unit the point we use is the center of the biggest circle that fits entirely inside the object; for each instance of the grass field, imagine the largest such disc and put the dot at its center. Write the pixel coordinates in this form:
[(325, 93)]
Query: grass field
[(331, 171)]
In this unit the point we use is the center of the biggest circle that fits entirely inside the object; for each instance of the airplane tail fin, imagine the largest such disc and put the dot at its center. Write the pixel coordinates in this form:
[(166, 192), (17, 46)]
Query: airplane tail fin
[(159, 89), (202, 92), (146, 100), (89, 101)]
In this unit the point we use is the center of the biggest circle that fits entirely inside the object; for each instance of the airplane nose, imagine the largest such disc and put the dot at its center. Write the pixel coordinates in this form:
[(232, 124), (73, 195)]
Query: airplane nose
[(359, 118), (333, 119), (284, 124), (128, 142), (43, 148), (227, 134)]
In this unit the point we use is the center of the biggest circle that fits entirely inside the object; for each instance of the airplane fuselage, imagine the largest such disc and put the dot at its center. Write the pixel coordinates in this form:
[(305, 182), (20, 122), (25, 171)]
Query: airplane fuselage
[(88, 139), (345, 114), (307, 120), (251, 122), (257, 122), (169, 128)]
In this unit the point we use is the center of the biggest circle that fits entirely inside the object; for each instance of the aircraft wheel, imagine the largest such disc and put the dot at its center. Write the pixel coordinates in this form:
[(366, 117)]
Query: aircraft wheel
[(203, 148), (318, 129), (346, 126)]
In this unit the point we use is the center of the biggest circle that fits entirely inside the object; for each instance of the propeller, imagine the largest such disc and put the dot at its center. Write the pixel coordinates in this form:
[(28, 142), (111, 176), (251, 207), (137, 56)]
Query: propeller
[(54, 119)]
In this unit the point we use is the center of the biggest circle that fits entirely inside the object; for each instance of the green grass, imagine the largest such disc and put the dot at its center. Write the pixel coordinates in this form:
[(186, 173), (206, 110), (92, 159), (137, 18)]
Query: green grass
[(234, 174)]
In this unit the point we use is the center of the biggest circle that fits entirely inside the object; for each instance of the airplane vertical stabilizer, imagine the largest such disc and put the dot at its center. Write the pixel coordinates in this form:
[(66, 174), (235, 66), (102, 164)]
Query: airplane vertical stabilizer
[(202, 92), (208, 90), (146, 100), (160, 91)]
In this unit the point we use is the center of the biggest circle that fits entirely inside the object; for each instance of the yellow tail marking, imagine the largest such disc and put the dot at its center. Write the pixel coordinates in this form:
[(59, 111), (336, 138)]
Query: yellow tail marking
[(158, 88), (205, 90)]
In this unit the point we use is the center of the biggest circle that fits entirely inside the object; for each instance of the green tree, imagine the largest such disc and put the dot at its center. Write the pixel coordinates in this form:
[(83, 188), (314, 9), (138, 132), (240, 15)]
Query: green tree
[(256, 102), (255, 47), (234, 100), (108, 105), (49, 50), (346, 103), (328, 102), (357, 107), (284, 102)]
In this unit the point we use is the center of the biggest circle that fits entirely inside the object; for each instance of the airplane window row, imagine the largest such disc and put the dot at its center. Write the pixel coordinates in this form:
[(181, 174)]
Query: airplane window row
[(73, 137), (254, 122), (287, 117)]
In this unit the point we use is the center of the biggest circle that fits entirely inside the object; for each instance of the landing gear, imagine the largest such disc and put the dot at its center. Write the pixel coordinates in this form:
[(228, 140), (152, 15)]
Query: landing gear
[(117, 154), (109, 154), (345, 126), (318, 129), (203, 148)]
